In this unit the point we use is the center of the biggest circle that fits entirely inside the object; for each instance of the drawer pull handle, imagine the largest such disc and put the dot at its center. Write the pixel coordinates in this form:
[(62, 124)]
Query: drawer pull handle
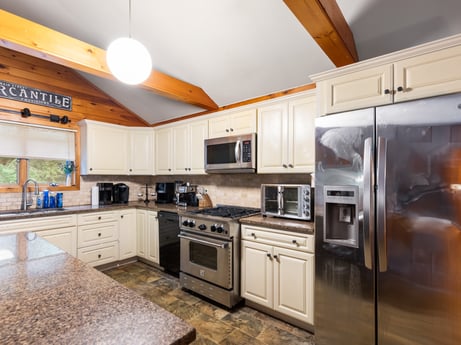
[(99, 234), (99, 256)]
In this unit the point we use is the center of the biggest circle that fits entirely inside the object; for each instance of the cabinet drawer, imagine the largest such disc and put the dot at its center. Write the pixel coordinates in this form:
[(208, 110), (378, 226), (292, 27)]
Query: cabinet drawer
[(92, 234), (99, 254), (96, 217), (38, 223), (285, 239)]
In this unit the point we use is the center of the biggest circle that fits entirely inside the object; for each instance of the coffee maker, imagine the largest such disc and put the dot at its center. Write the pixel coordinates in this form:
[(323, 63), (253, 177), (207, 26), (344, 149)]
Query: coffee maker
[(105, 192), (165, 192), (121, 193)]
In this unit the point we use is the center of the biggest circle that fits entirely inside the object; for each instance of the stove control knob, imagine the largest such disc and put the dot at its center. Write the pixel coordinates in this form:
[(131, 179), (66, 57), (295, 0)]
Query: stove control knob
[(214, 227), (185, 222), (220, 228), (191, 223), (202, 227)]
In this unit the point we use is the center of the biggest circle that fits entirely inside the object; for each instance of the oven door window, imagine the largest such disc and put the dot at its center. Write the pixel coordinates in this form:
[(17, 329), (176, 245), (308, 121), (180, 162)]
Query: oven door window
[(290, 201), (203, 255)]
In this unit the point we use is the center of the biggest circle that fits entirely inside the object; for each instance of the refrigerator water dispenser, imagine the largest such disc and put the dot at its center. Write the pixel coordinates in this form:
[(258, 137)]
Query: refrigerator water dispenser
[(341, 224)]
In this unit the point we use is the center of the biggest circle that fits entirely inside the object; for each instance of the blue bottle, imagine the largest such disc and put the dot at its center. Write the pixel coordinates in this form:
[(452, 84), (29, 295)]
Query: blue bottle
[(59, 201), (45, 200)]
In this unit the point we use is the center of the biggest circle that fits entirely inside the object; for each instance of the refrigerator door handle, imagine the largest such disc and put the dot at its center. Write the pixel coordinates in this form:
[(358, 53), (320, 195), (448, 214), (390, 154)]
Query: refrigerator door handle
[(381, 204), (368, 210)]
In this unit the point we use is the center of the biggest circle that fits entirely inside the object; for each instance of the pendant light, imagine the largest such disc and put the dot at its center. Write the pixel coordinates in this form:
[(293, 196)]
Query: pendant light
[(128, 59)]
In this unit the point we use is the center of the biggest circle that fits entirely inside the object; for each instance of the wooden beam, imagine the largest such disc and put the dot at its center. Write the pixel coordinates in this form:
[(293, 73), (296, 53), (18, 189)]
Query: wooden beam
[(325, 22), (25, 36)]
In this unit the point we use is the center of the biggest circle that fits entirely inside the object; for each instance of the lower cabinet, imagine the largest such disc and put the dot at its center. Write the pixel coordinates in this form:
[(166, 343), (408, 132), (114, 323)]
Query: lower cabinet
[(277, 271), (64, 238), (147, 235), (97, 238), (127, 239)]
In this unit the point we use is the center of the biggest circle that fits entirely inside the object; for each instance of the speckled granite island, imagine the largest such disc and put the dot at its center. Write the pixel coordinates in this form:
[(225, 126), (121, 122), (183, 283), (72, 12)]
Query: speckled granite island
[(50, 297)]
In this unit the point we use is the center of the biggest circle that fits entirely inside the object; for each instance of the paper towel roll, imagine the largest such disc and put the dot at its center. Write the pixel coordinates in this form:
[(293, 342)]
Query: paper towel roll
[(95, 196)]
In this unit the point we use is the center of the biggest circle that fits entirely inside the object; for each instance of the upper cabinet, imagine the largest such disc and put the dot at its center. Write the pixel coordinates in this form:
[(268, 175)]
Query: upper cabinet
[(424, 71), (233, 123), (286, 135), (108, 149), (104, 148), (141, 158), (179, 149)]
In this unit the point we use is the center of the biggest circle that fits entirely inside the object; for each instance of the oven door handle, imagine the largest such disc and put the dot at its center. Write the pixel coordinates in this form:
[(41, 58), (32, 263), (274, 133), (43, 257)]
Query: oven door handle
[(208, 243)]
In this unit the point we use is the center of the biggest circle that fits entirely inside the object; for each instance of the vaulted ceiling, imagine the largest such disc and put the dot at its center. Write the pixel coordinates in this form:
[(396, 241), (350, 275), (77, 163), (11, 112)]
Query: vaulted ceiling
[(234, 50)]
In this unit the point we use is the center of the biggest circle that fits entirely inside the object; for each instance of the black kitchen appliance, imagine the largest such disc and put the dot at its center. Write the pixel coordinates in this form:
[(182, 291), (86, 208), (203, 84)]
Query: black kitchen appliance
[(168, 226), (105, 192), (165, 192), (121, 193), (188, 199)]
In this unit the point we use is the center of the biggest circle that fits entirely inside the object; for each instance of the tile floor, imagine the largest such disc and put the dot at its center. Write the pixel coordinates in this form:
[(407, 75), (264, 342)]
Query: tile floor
[(214, 325)]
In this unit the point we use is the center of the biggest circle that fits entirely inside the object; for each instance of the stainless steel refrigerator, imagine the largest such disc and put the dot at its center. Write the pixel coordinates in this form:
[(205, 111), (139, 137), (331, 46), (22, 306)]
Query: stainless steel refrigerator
[(388, 225)]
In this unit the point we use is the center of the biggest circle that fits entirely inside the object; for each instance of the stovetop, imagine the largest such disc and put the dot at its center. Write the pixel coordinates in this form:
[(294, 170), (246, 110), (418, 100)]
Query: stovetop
[(226, 211)]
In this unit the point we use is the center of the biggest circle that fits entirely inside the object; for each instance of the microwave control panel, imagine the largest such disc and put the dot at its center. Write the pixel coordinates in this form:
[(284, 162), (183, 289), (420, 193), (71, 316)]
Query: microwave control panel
[(246, 151)]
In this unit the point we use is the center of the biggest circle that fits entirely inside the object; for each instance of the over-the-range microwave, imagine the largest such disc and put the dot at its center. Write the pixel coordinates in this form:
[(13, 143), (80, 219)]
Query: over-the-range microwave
[(233, 154), (287, 201)]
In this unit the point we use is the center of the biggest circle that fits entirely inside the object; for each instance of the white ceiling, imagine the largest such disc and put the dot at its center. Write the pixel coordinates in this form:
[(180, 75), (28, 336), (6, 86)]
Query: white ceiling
[(233, 49)]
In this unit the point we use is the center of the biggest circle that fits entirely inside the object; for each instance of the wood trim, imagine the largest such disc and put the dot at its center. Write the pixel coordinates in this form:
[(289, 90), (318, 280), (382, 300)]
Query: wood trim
[(240, 104), (25, 36), (325, 22)]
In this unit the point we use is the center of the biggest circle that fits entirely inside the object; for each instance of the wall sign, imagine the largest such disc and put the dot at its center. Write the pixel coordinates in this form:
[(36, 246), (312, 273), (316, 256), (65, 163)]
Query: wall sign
[(26, 94)]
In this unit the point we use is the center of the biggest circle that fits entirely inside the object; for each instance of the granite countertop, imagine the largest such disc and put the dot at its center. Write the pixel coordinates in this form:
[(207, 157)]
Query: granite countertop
[(300, 226), (32, 213), (49, 297)]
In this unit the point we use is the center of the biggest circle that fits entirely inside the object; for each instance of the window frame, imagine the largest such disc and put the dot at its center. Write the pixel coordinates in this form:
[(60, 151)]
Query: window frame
[(23, 173)]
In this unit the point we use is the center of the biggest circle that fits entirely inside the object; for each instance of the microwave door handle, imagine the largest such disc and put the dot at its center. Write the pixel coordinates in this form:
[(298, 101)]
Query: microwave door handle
[(280, 200), (237, 151)]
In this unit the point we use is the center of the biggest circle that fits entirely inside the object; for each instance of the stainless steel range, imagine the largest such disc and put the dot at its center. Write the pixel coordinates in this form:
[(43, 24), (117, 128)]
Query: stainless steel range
[(210, 252)]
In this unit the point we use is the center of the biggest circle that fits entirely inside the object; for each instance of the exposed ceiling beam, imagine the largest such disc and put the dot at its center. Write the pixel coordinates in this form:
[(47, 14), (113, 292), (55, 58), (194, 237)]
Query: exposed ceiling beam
[(25, 36), (325, 22)]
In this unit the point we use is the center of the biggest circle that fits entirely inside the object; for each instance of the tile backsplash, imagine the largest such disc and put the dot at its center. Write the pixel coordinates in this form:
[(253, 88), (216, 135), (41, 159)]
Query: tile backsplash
[(228, 189)]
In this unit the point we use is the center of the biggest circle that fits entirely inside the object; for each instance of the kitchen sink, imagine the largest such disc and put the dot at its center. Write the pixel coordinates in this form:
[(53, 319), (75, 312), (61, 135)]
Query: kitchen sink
[(13, 213)]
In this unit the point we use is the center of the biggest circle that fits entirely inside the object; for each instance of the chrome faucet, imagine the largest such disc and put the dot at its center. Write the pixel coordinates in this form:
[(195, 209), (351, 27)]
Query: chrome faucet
[(24, 202)]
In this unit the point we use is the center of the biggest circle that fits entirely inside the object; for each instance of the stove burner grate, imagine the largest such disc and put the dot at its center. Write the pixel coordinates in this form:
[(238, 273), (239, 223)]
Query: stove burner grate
[(228, 211)]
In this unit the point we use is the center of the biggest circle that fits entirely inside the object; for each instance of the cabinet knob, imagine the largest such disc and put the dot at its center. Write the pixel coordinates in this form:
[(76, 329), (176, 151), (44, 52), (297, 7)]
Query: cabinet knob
[(269, 255), (91, 169), (99, 256), (387, 91), (253, 234), (294, 242), (285, 166), (185, 169), (99, 234), (99, 218), (227, 130), (169, 169), (400, 89), (275, 257), (121, 216), (131, 169), (231, 129), (290, 166)]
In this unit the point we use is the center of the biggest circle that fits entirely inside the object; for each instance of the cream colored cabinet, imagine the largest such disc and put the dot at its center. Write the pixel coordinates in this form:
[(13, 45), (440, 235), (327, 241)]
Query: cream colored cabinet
[(164, 151), (395, 78), (127, 234), (188, 147), (233, 123), (64, 238), (58, 230), (104, 149), (286, 136), (141, 151), (97, 237), (277, 271), (148, 236)]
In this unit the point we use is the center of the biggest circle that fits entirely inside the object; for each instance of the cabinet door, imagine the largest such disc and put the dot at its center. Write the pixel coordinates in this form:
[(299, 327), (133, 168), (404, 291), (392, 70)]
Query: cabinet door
[(218, 127), (141, 152), (272, 138), (141, 233), (428, 75), (357, 90), (163, 151), (243, 122), (256, 273), (181, 149), (127, 234), (106, 150), (198, 134), (294, 284), (301, 135), (64, 238), (152, 237)]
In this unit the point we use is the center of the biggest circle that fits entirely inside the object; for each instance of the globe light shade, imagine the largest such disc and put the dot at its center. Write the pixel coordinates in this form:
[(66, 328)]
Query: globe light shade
[(129, 61)]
